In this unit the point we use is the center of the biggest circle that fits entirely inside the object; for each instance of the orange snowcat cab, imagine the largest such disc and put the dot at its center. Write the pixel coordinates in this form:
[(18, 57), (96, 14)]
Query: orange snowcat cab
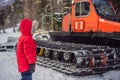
[(90, 22), (91, 16)]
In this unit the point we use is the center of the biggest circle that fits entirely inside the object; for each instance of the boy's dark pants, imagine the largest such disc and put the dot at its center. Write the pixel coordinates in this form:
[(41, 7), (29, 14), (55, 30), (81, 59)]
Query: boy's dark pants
[(26, 76)]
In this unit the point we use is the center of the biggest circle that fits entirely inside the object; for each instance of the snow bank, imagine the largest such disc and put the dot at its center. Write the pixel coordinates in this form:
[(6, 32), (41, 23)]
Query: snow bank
[(9, 33)]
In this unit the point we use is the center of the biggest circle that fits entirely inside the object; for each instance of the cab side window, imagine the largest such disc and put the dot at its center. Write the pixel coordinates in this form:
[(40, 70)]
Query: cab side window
[(82, 8)]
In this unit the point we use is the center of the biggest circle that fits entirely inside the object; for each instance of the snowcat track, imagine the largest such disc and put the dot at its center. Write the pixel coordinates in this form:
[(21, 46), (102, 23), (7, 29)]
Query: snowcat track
[(70, 68), (67, 68)]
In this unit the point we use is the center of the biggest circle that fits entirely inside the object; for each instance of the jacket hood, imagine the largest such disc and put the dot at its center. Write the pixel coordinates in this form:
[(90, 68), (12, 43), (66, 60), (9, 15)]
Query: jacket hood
[(25, 27)]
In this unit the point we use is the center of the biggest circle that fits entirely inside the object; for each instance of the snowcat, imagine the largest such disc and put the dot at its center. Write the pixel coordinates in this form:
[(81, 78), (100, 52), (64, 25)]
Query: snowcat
[(88, 43)]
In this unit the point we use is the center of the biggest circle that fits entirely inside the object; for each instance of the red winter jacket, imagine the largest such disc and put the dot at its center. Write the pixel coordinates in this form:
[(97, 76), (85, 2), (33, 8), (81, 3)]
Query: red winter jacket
[(26, 47)]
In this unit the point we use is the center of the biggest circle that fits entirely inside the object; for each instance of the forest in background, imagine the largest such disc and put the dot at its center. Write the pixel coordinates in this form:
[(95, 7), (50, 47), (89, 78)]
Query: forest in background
[(48, 13)]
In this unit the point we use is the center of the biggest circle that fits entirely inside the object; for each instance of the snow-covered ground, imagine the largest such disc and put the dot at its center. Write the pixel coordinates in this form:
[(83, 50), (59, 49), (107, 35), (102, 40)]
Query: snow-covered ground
[(8, 67)]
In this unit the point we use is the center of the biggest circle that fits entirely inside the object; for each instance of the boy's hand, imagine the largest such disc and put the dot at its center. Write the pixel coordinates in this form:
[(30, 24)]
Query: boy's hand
[(32, 68)]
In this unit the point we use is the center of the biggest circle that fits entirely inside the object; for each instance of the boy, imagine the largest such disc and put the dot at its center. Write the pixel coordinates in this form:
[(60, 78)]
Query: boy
[(26, 50)]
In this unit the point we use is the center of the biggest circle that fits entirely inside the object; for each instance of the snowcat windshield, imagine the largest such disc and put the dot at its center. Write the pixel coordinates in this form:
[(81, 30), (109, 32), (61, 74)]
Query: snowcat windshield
[(103, 7)]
